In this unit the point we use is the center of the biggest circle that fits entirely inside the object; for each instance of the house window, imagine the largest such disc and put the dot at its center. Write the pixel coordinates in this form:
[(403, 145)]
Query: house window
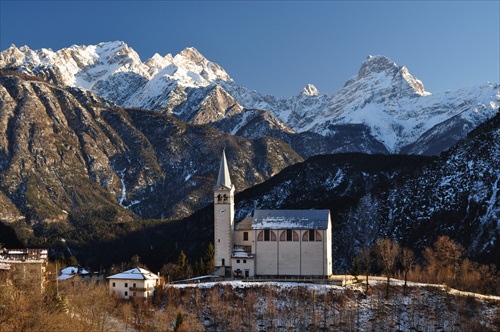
[(126, 284), (245, 236), (237, 261), (134, 285), (114, 284), (126, 293), (244, 261)]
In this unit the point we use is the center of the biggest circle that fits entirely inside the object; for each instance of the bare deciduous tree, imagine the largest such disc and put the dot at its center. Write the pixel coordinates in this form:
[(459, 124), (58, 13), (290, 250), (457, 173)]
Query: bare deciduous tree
[(407, 260), (388, 252), (366, 259)]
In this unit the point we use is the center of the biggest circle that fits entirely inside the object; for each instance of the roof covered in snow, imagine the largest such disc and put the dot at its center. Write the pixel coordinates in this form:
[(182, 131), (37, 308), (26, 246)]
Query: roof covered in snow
[(74, 270), (291, 219), (136, 273)]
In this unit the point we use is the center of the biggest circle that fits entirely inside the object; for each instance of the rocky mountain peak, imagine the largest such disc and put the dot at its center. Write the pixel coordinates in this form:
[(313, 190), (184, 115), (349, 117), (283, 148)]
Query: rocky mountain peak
[(192, 54), (385, 77), (309, 90), (377, 64)]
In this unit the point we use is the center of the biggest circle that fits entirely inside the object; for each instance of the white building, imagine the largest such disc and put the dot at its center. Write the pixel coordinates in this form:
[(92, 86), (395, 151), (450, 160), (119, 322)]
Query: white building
[(272, 242), (137, 282)]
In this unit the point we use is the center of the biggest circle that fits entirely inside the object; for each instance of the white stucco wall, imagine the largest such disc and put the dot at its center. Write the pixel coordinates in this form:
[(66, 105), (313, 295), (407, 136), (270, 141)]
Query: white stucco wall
[(127, 288), (244, 264), (289, 258), (238, 238), (306, 258)]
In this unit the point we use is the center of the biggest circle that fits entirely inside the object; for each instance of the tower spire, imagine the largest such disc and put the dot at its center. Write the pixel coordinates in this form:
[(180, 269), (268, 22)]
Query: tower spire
[(223, 179)]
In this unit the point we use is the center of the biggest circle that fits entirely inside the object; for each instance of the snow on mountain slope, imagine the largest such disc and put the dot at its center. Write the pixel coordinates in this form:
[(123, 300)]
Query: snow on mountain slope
[(383, 97)]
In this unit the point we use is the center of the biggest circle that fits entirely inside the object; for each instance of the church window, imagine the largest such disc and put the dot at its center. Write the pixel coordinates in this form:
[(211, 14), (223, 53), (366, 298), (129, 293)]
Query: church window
[(312, 235), (266, 235), (245, 236), (289, 235), (219, 198)]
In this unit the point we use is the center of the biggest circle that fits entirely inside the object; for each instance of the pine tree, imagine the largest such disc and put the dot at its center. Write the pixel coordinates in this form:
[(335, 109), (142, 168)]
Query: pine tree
[(185, 268), (209, 262)]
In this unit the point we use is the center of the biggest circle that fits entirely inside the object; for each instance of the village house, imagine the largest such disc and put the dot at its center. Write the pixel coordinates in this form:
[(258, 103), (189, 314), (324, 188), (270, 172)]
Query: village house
[(24, 266), (72, 272), (271, 243), (133, 283)]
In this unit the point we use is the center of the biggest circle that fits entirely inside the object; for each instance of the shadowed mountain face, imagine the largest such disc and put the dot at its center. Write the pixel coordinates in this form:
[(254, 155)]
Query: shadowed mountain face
[(67, 154)]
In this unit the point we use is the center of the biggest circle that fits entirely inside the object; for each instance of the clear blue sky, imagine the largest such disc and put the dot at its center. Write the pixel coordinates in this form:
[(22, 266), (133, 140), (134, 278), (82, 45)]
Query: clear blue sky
[(278, 47)]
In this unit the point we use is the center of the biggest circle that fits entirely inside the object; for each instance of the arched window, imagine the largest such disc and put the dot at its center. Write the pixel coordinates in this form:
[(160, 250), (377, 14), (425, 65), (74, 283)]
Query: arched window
[(266, 235), (289, 235), (312, 235)]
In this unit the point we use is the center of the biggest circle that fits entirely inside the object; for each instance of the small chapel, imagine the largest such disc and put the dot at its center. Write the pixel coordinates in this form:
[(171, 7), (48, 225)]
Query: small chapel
[(272, 243)]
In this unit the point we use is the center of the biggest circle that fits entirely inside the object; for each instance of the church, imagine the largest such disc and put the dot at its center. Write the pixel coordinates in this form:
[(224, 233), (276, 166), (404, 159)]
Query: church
[(272, 243)]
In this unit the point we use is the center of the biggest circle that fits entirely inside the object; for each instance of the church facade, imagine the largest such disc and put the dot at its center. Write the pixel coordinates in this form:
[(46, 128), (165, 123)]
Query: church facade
[(272, 242)]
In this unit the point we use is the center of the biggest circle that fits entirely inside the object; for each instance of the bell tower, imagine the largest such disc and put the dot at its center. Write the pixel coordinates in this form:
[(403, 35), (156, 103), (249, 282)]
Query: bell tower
[(223, 216)]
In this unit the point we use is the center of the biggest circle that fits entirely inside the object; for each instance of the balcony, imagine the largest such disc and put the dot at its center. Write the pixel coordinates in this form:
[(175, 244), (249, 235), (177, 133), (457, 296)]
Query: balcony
[(140, 289)]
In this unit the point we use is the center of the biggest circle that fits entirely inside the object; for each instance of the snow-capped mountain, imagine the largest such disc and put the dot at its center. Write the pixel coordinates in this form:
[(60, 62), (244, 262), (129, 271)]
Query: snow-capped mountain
[(386, 99), (384, 102)]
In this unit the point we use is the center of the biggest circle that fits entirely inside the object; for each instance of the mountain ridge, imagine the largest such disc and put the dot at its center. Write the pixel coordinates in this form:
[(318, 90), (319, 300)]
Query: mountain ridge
[(383, 97)]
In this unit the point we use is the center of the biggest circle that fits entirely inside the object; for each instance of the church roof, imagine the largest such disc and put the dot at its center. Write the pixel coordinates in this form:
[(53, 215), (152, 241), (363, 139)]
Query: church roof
[(223, 179), (291, 219), (245, 224)]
